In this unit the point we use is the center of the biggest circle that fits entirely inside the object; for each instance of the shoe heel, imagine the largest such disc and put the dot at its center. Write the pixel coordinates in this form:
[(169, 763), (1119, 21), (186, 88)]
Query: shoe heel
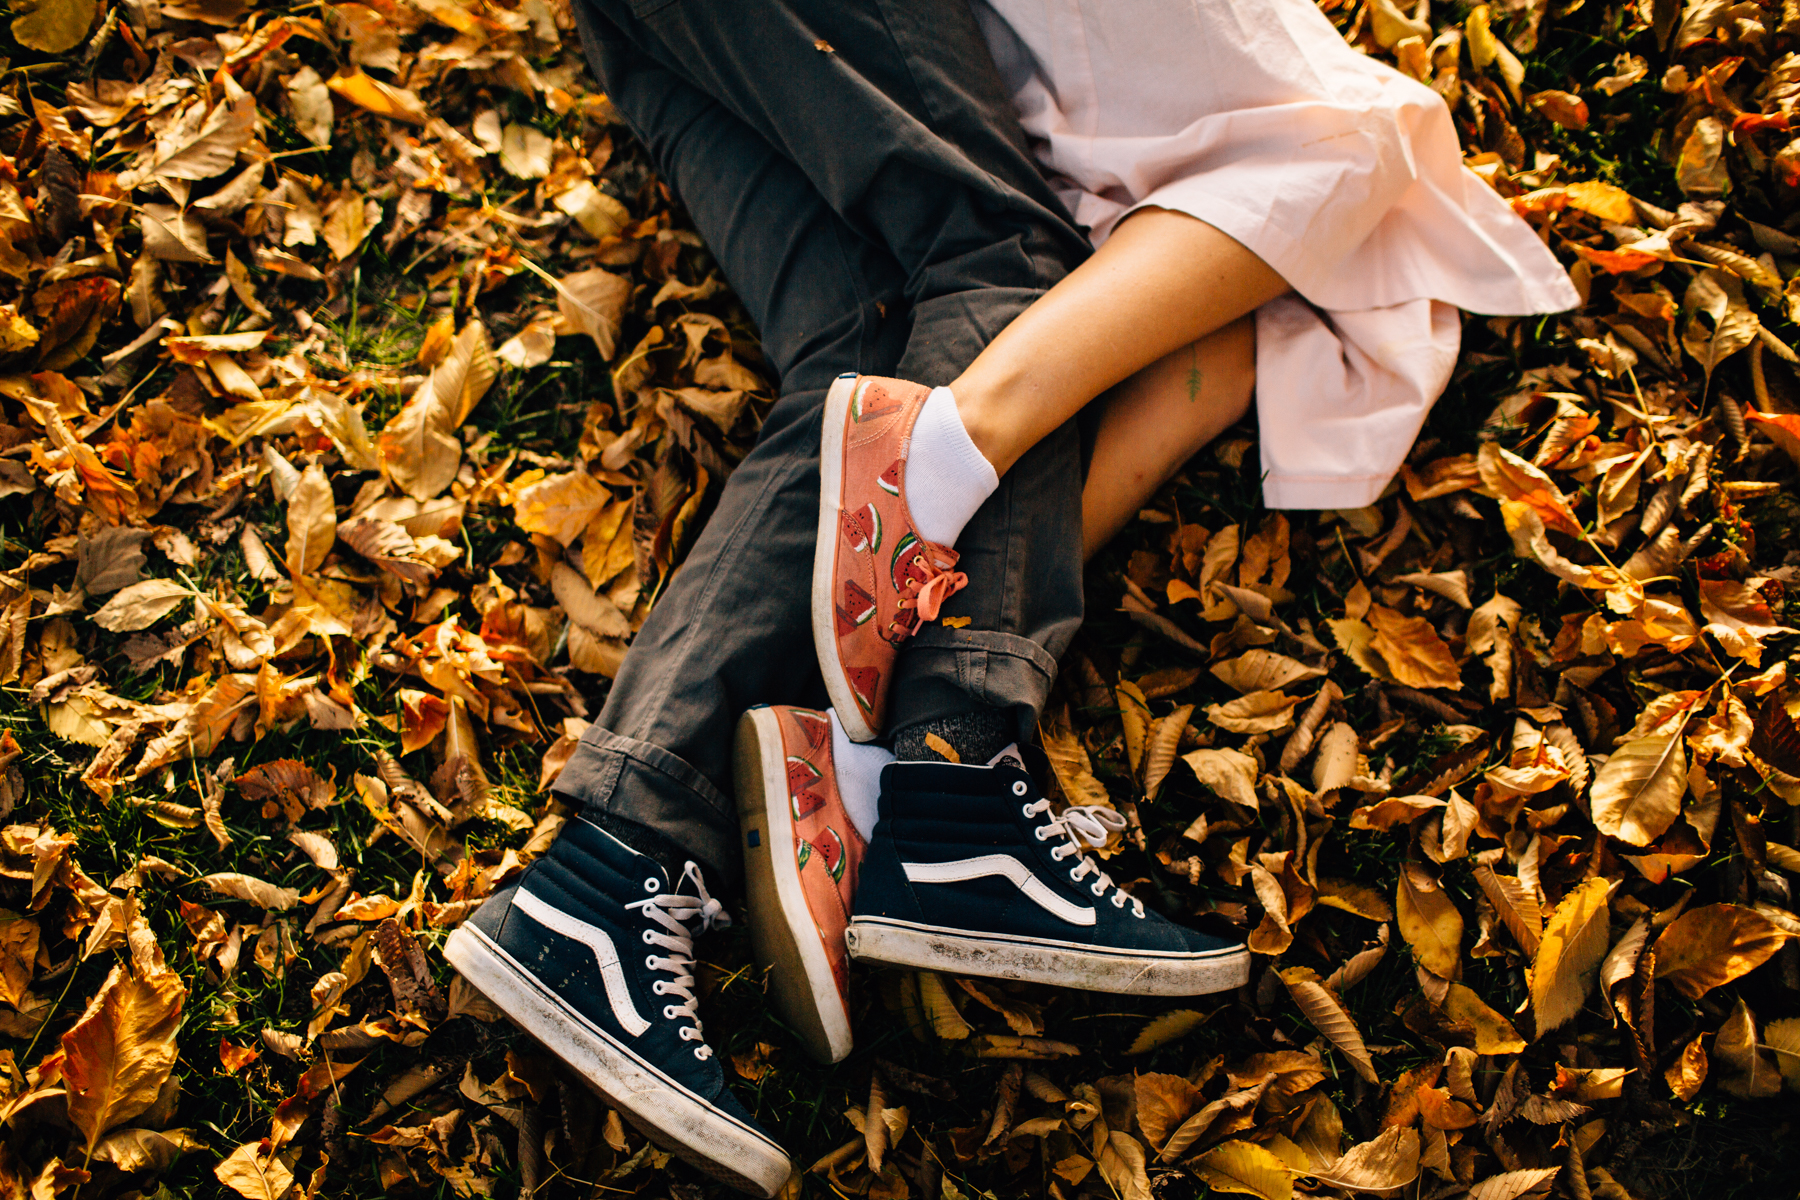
[(799, 975)]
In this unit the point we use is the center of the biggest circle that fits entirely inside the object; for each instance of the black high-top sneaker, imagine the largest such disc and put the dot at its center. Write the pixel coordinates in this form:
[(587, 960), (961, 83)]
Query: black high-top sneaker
[(969, 871), (591, 953)]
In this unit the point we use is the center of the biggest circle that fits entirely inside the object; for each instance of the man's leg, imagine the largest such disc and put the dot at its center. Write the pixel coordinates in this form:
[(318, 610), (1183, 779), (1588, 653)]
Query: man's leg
[(971, 252), (909, 134), (731, 630)]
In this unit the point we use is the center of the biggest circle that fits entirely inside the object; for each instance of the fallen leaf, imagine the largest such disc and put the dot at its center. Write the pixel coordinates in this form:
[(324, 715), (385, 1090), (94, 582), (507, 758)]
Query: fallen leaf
[(1636, 796), (1710, 946), (117, 1056), (1429, 921), (1568, 958)]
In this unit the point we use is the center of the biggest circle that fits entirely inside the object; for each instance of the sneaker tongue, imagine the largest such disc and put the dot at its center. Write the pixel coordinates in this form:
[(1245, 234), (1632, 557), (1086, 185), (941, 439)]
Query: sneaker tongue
[(1011, 756)]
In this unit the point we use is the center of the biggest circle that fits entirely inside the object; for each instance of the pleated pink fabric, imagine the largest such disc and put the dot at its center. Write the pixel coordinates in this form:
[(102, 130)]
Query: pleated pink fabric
[(1341, 173)]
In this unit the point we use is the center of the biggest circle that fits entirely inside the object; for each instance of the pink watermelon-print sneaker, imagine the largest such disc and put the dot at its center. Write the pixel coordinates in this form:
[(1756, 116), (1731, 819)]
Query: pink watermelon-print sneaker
[(875, 580), (801, 855)]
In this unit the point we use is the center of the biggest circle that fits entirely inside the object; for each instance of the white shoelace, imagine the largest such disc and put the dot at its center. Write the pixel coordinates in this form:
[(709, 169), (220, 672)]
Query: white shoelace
[(1085, 825), (674, 910)]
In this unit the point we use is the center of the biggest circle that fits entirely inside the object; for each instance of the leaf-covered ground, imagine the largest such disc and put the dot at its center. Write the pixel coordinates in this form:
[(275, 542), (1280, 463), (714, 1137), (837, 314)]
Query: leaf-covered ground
[(359, 389)]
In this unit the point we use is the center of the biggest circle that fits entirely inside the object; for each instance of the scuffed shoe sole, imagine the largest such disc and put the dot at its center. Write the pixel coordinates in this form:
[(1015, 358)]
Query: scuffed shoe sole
[(782, 927), (711, 1140), (1037, 960)]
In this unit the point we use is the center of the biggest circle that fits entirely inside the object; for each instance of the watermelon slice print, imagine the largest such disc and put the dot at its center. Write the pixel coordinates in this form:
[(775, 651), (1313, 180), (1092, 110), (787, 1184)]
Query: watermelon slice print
[(889, 480), (862, 529), (863, 406), (805, 803), (814, 727), (857, 608), (831, 852), (863, 682), (803, 854), (801, 775)]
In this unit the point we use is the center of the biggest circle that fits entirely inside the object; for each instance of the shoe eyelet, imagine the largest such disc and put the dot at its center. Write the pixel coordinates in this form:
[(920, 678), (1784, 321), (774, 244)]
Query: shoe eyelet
[(652, 885), (649, 962), (1042, 832), (648, 935), (701, 1054), (1020, 787), (656, 987), (1074, 875), (670, 1011)]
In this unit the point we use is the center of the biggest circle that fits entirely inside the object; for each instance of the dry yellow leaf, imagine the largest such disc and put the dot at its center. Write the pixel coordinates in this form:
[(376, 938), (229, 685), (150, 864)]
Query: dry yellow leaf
[(1160, 1031), (1494, 1034), (1429, 921), (1389, 1161), (1707, 947), (1688, 1072), (1568, 957), (1782, 1039), (1247, 1168), (256, 1173), (311, 522), (382, 99), (1637, 795), (1414, 653), (53, 26)]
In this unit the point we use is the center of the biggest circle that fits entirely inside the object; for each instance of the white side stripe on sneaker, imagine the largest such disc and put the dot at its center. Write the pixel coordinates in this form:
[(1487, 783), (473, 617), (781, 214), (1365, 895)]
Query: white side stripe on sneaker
[(595, 938), (1001, 864)]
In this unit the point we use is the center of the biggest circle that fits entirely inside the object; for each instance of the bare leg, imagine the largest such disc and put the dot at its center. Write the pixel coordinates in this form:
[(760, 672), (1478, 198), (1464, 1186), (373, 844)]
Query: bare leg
[(1162, 281), (1158, 419)]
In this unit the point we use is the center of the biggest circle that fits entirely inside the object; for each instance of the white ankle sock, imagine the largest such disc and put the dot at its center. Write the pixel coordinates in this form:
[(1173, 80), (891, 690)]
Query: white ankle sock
[(858, 766), (947, 478)]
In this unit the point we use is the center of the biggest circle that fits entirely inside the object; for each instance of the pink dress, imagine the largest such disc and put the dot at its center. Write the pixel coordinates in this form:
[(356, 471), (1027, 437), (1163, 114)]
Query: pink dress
[(1342, 174)]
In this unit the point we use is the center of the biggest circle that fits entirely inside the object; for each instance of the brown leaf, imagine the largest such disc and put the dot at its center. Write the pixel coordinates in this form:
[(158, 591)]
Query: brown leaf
[(255, 1172), (1746, 1069), (1164, 1102), (419, 447), (118, 1055), (256, 891), (382, 99), (1328, 1015), (1637, 795), (1390, 1161), (1688, 1072), (1708, 947), (1494, 1034), (141, 605), (1415, 655), (1512, 1184), (53, 26), (593, 302)]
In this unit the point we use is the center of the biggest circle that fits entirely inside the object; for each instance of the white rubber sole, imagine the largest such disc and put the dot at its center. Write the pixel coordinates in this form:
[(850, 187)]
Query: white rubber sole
[(782, 928), (824, 616), (1035, 960), (711, 1140)]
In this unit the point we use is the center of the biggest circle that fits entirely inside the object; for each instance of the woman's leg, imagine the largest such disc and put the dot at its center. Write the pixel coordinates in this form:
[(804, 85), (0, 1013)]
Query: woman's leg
[(1158, 419), (1161, 282)]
